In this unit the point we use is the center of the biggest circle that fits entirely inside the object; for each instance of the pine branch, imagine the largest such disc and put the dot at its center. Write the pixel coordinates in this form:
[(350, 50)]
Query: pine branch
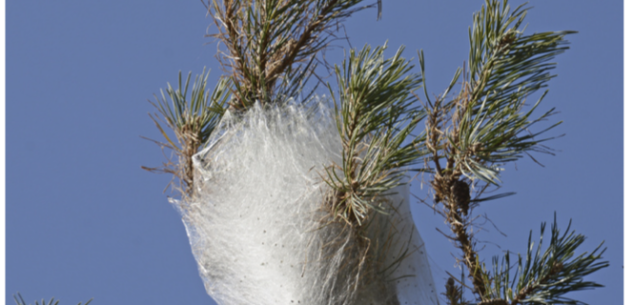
[(374, 117), (449, 189), (544, 278), (192, 120), (267, 39), (505, 67), (485, 126)]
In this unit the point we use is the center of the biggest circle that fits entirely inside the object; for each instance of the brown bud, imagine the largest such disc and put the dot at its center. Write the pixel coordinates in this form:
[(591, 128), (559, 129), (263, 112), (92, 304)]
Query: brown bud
[(460, 191)]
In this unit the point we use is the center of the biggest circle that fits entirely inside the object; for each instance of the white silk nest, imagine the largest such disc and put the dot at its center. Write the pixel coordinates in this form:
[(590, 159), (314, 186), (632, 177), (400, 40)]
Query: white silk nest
[(261, 235)]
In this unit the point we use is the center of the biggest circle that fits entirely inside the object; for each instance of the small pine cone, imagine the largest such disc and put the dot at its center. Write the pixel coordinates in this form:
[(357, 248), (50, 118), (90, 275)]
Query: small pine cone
[(494, 302), (461, 194)]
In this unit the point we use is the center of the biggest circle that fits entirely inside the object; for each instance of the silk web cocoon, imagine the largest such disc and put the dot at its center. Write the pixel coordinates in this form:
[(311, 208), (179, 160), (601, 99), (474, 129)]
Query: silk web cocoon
[(260, 232)]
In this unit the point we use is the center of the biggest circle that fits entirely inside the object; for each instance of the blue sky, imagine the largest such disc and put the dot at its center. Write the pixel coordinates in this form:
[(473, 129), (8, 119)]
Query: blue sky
[(84, 221)]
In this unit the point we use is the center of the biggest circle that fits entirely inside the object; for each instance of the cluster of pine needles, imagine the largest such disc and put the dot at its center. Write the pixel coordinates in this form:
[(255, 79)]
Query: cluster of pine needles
[(269, 50)]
